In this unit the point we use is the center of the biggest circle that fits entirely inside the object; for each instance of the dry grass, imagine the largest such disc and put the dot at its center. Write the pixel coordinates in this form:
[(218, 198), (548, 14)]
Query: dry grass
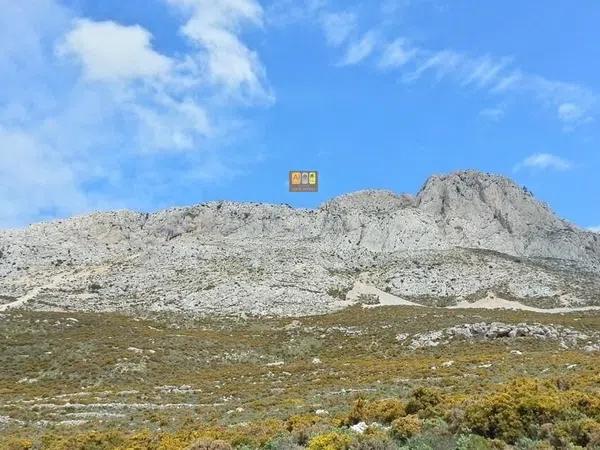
[(179, 379)]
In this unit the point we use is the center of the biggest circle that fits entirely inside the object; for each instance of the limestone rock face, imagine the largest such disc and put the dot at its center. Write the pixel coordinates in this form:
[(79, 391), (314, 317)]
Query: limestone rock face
[(463, 235)]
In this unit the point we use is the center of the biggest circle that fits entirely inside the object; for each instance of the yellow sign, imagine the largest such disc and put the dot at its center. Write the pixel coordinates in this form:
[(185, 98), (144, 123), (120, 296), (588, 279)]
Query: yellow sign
[(304, 180)]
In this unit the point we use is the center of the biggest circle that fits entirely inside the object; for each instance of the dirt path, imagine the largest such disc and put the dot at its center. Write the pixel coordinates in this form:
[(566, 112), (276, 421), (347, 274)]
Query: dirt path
[(493, 302), (385, 299), (489, 302), (55, 281)]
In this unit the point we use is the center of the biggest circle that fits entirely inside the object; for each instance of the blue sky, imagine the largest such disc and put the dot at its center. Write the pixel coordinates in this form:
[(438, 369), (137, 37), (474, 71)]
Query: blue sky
[(148, 104)]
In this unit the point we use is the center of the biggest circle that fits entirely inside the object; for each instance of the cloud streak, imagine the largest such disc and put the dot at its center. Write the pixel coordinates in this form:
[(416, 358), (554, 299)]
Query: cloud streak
[(544, 161), (571, 104)]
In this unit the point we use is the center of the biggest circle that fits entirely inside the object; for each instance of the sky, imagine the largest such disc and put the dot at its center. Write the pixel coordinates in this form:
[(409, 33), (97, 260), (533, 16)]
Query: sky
[(149, 104)]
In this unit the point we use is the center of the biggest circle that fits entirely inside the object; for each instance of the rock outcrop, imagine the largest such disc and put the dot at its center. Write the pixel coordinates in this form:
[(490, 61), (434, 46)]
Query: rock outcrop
[(566, 337), (461, 236)]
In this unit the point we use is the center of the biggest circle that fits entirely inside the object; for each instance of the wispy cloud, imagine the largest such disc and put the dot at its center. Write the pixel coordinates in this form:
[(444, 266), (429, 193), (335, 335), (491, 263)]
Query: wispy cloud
[(494, 114), (544, 161), (396, 54), (360, 49), (107, 120), (338, 26), (571, 104), (573, 115)]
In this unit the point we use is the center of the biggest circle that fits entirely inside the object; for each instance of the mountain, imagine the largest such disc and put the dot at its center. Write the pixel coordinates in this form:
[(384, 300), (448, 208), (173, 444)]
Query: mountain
[(462, 237)]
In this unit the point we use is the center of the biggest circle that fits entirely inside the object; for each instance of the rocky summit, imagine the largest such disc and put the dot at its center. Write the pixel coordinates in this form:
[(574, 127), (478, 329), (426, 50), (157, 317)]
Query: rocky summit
[(463, 238)]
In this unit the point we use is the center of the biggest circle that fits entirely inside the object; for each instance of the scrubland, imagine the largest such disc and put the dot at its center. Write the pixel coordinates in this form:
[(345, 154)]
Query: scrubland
[(347, 380)]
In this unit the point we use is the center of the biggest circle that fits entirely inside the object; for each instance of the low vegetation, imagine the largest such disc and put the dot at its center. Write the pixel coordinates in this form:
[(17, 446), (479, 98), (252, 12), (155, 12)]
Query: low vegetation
[(336, 382)]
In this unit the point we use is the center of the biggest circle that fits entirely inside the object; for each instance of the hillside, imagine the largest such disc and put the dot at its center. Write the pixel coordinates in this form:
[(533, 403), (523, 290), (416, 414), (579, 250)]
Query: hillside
[(463, 237)]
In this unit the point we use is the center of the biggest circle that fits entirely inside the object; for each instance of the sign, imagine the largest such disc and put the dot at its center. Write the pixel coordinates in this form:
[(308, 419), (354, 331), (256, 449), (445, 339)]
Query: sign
[(304, 180)]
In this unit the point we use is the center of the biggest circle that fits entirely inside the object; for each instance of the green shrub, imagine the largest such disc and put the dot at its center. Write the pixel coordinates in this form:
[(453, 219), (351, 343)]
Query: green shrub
[(338, 292), (357, 413), (515, 412), (384, 411), (582, 432), (210, 444), (406, 427), (472, 442), (284, 443), (377, 441), (18, 444), (425, 402), (330, 441), (302, 427)]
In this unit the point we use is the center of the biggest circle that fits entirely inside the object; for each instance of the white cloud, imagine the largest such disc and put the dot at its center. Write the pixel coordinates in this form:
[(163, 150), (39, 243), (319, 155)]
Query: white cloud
[(161, 109), (396, 54), (442, 63), (497, 76), (170, 125), (338, 27), (575, 114), (112, 52), (574, 105), (360, 49), (214, 26), (595, 229), (484, 71), (96, 118), (569, 112), (544, 161), (495, 114), (478, 72)]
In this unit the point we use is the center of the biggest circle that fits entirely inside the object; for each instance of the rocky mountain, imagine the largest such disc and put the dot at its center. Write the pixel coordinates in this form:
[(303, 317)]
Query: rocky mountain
[(464, 236)]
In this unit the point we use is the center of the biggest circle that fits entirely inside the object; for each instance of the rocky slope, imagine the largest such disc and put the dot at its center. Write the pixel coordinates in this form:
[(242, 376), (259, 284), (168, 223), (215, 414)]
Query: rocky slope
[(462, 236)]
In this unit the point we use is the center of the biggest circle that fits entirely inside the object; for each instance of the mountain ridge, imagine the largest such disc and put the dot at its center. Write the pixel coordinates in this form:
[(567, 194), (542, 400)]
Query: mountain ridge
[(220, 257)]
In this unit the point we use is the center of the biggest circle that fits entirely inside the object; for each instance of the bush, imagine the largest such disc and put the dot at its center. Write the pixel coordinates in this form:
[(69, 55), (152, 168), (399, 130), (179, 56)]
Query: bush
[(357, 413), (338, 292), (585, 403), (381, 411), (514, 413), (406, 427), (472, 442), (377, 441), (302, 426), (425, 402), (530, 444), (384, 411), (210, 444), (581, 432), (18, 444), (330, 441), (284, 443)]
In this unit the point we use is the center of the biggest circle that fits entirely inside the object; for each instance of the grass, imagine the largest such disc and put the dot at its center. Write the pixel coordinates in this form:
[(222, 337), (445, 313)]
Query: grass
[(83, 380)]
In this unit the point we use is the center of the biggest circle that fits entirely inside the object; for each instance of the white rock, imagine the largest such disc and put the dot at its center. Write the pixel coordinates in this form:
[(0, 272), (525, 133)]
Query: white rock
[(359, 428), (461, 234)]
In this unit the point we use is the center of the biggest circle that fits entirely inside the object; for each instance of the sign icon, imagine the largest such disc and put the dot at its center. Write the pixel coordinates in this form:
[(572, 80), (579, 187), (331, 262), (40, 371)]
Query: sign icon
[(304, 181)]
